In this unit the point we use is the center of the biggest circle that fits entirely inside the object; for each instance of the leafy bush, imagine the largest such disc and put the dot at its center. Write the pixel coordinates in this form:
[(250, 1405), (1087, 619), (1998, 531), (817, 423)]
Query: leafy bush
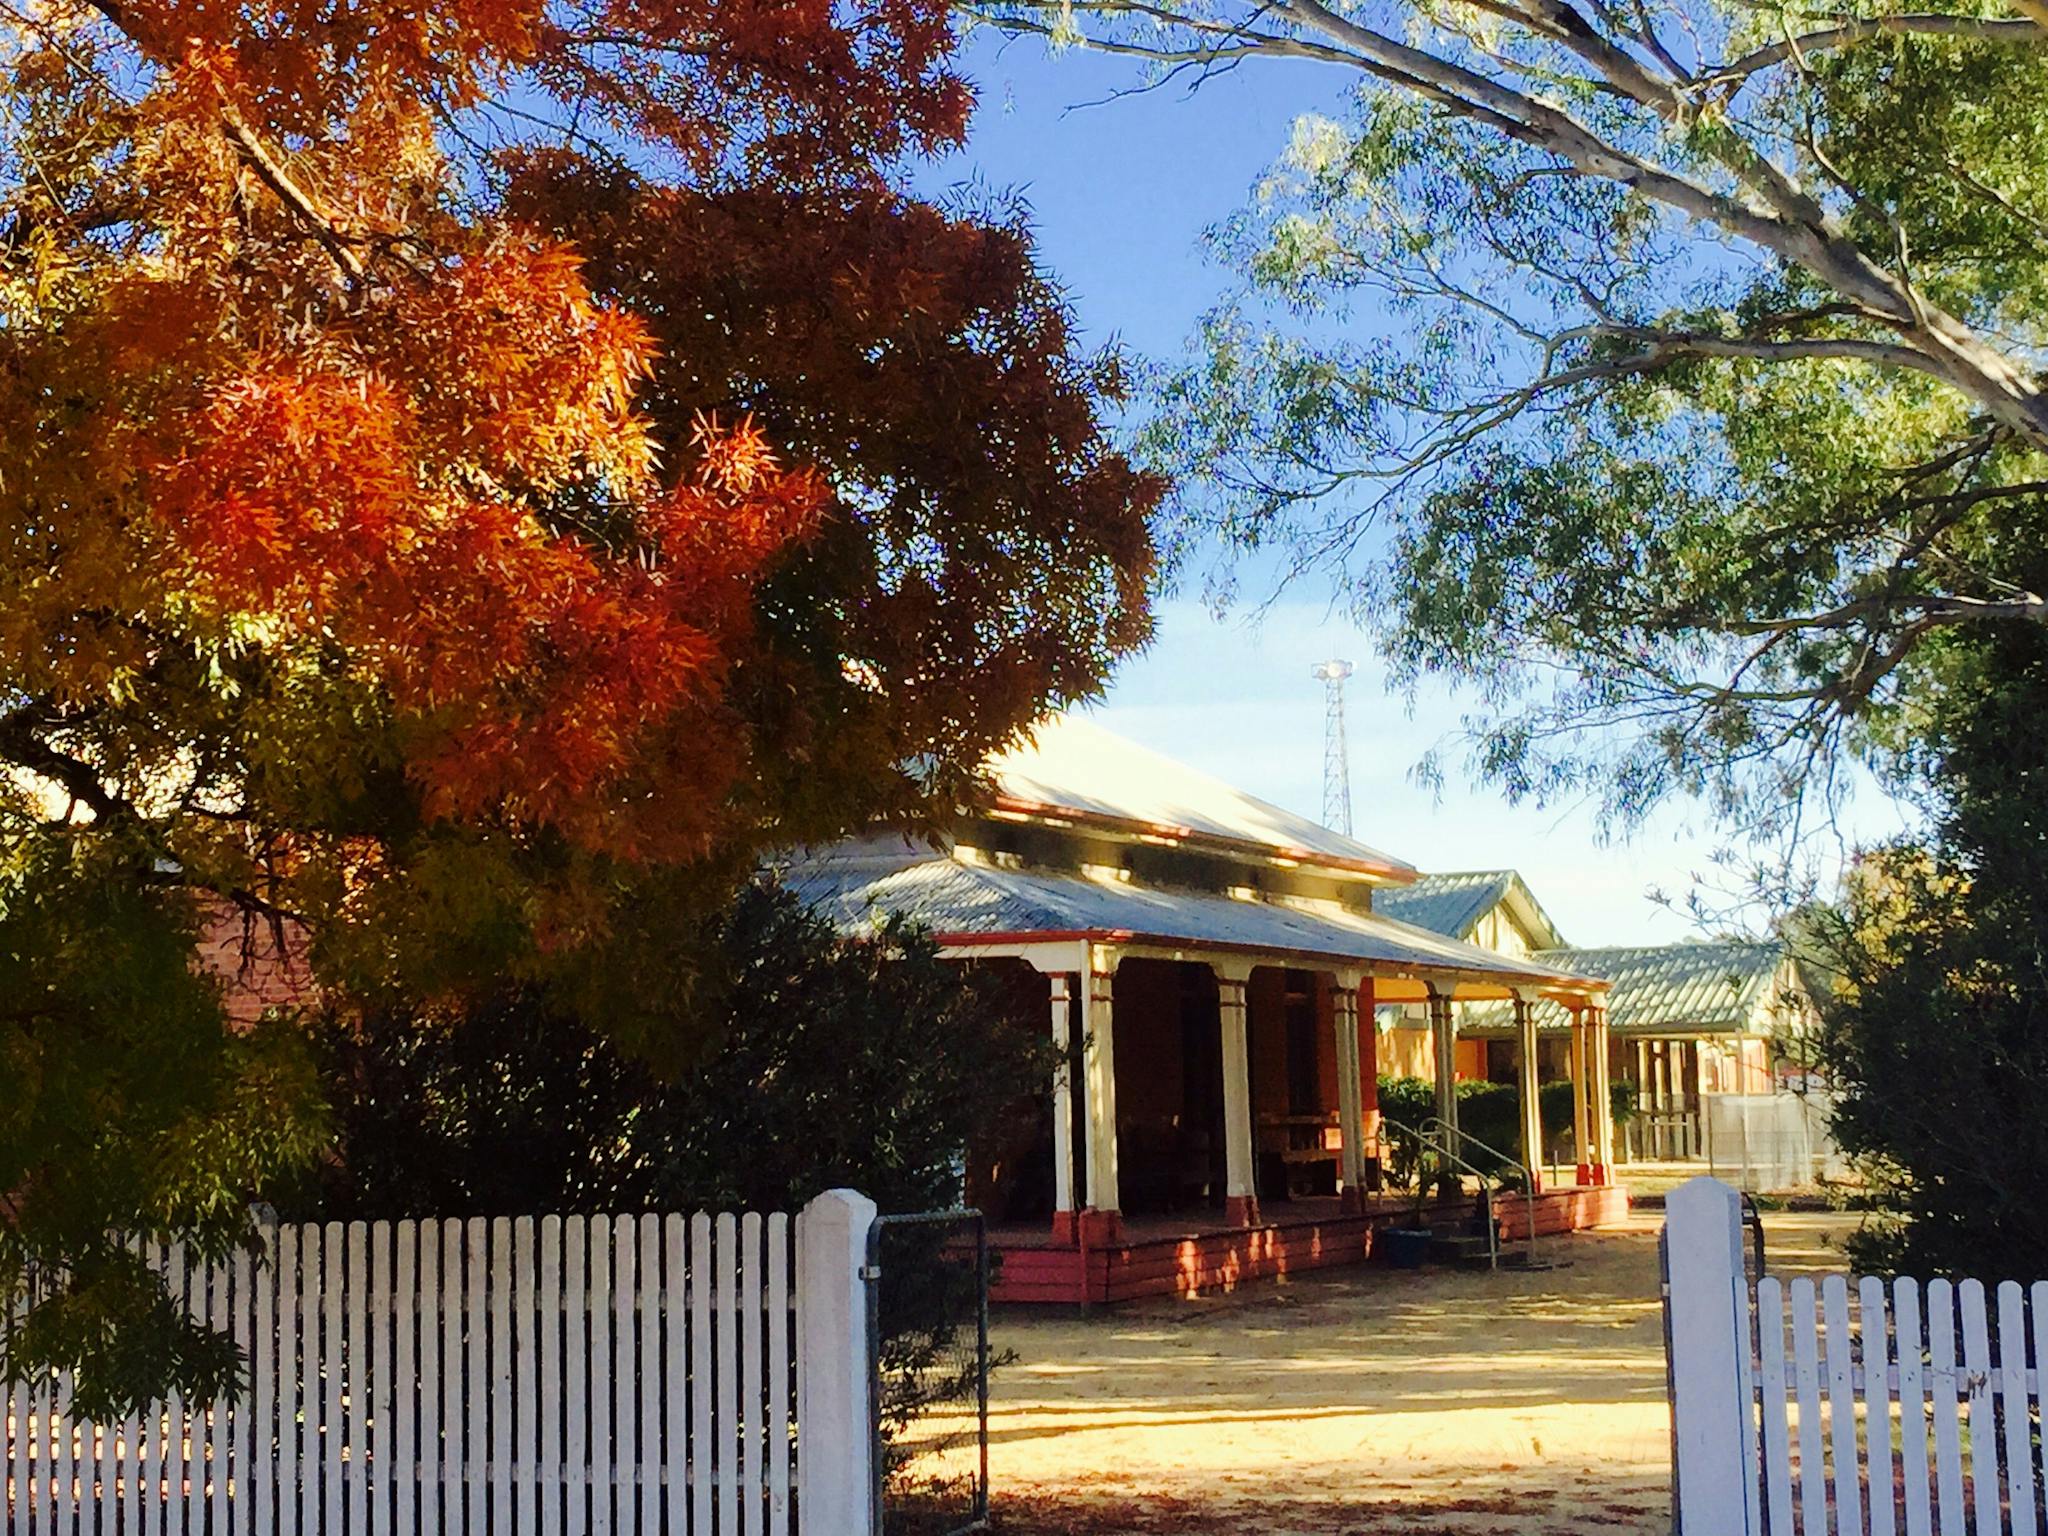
[(1487, 1112), (865, 1063)]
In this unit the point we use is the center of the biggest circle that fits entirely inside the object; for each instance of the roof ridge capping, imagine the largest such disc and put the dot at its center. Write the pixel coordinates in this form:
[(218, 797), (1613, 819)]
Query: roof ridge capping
[(1070, 767)]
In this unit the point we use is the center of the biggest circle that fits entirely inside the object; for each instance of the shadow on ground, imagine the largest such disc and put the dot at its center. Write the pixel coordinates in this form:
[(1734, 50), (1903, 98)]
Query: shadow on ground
[(1362, 1402)]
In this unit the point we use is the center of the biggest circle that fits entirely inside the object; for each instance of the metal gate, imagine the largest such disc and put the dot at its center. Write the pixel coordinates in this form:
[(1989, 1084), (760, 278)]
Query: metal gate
[(928, 1397)]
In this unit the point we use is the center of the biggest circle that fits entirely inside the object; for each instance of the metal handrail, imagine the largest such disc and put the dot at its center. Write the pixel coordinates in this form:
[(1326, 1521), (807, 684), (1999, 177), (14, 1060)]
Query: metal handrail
[(1443, 1150), (1437, 1122)]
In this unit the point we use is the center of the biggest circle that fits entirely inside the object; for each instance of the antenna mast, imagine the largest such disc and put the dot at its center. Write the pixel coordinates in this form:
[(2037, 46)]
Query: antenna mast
[(1336, 758)]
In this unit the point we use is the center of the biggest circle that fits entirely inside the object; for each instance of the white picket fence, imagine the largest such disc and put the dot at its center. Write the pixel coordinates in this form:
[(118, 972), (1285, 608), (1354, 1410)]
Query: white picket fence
[(551, 1376), (1851, 1406)]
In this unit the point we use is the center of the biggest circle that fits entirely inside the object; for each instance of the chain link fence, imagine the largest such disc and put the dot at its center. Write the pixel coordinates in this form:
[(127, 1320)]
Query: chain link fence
[(928, 1316)]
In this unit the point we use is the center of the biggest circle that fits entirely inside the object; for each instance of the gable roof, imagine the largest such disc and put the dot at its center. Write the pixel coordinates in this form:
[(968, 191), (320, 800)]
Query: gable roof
[(1073, 768), (1454, 903)]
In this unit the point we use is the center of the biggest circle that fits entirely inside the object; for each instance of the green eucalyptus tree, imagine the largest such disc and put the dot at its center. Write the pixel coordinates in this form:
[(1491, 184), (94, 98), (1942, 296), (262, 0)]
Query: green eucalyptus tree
[(1665, 364)]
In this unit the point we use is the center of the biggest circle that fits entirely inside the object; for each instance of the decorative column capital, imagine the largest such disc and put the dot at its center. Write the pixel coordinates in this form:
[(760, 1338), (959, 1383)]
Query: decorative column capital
[(1231, 970), (1102, 982)]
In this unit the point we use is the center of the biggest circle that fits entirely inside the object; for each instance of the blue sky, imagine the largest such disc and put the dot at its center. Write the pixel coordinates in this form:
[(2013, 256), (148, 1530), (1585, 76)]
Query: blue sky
[(1121, 193)]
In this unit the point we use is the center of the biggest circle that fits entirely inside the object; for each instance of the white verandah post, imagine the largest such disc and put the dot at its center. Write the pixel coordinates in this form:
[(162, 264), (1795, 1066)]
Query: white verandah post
[(1061, 990), (1532, 1108), (1350, 1093), (1582, 1117), (1240, 1189), (1602, 1093), (1098, 1024), (1443, 1029)]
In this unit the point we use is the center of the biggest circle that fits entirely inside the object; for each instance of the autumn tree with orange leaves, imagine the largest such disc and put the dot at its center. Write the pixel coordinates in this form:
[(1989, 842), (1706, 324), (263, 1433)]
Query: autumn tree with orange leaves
[(476, 475)]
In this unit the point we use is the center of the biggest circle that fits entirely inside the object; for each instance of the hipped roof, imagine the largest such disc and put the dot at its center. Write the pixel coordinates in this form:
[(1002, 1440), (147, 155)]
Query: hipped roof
[(1074, 769), (967, 902)]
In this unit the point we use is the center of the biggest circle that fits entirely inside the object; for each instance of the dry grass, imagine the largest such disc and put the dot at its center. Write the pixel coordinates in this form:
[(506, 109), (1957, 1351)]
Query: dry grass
[(1358, 1403)]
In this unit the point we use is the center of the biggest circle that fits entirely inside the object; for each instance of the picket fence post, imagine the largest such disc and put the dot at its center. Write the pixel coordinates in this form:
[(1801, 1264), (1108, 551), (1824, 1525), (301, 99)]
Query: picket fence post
[(835, 1446), (1712, 1406)]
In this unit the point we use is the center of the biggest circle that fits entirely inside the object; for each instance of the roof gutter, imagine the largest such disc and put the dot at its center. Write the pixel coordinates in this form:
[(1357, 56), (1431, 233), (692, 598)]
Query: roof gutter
[(1408, 969)]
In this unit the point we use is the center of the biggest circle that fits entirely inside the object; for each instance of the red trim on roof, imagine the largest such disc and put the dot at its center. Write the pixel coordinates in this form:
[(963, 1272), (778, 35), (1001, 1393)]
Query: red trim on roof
[(1399, 874), (963, 940)]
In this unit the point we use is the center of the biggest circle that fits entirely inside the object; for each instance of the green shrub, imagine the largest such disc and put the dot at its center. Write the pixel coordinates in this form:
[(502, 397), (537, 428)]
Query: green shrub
[(1487, 1112)]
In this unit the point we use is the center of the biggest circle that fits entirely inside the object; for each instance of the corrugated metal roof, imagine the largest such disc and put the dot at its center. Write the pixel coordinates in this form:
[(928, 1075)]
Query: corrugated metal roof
[(1447, 904), (1075, 765), (1454, 903), (953, 897), (1705, 988)]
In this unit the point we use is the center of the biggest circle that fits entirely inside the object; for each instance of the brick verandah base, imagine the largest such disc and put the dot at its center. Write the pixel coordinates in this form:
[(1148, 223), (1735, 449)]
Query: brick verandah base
[(1156, 1257)]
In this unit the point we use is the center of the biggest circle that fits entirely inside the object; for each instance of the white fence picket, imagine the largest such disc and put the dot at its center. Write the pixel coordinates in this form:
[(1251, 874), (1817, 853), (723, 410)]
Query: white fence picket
[(175, 1433), (599, 1321), (428, 1434), (220, 1427), (676, 1381), (455, 1452), (526, 1351), (264, 1382), (15, 1404), (133, 1427), (62, 1430), (2013, 1408), (2037, 1297), (1842, 1404), (1943, 1384), (726, 1423), (625, 1456), (312, 1378), (500, 1286), (1777, 1430), (1914, 1481), (1872, 1316), (116, 1482), (20, 1408), (1983, 1429), (752, 1441), (1813, 1485), (559, 1376), (476, 1366), (778, 1374), (404, 1400), (647, 1310), (550, 1459), (575, 1379), (381, 1396), (704, 1460)]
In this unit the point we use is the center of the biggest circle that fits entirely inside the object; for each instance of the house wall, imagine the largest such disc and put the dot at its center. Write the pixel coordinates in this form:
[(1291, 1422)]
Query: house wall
[(1407, 1052), (1498, 931)]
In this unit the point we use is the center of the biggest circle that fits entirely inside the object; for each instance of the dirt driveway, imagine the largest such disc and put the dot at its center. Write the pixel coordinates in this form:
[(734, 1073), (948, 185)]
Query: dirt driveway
[(1366, 1402)]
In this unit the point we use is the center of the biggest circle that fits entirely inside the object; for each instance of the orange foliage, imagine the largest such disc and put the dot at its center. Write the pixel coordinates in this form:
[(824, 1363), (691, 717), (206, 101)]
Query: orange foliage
[(377, 496)]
